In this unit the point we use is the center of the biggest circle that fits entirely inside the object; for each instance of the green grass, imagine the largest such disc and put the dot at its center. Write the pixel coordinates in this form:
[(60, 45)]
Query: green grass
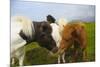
[(31, 46), (90, 28), (36, 55), (39, 56)]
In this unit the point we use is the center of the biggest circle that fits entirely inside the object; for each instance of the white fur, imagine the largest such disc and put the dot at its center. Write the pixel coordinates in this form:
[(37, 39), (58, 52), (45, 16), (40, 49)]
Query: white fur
[(19, 23), (57, 34), (62, 22)]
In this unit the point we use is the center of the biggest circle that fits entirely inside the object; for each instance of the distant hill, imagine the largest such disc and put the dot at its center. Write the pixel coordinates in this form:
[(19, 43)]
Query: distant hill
[(87, 19)]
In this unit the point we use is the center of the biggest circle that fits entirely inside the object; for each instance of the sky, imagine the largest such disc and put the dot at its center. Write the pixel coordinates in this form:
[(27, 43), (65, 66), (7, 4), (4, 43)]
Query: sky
[(38, 11)]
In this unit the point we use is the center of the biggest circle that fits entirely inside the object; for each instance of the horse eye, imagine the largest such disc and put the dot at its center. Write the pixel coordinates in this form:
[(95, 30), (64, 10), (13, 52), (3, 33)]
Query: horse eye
[(42, 35), (44, 28), (68, 39)]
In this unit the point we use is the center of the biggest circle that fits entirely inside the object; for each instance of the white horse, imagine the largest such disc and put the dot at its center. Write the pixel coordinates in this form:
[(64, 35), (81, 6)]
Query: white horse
[(57, 35), (19, 23)]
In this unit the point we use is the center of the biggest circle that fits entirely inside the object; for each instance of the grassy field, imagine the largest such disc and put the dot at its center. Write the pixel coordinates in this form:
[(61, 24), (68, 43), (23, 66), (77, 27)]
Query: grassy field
[(90, 27), (36, 55)]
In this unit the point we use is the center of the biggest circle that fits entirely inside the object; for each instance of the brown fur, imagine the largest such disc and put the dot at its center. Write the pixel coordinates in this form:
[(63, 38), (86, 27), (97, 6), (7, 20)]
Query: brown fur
[(74, 34)]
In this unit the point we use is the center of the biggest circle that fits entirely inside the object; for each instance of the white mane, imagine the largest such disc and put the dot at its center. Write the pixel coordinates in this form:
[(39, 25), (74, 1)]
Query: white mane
[(62, 22), (19, 23), (25, 24)]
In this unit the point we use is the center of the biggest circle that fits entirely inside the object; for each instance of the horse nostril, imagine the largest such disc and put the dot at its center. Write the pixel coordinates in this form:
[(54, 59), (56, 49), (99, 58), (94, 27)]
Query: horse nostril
[(42, 35)]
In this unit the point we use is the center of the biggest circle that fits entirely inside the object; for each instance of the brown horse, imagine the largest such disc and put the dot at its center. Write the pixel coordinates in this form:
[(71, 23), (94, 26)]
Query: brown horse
[(74, 37)]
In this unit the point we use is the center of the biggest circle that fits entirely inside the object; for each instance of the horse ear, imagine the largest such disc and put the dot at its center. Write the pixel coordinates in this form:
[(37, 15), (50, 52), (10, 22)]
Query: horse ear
[(51, 19), (23, 35), (63, 26)]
